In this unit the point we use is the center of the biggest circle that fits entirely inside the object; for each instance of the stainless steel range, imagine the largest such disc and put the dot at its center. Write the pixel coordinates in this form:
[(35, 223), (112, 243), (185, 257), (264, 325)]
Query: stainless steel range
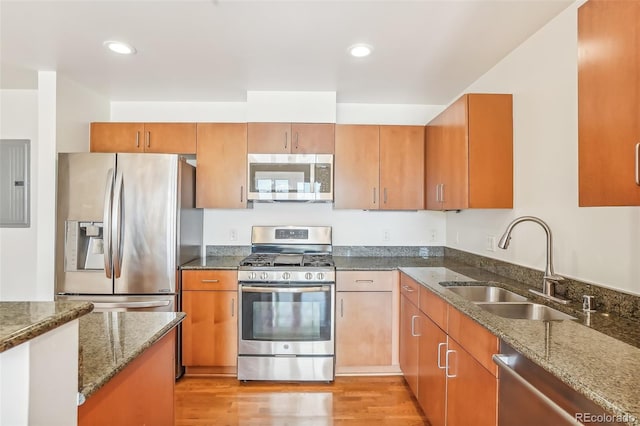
[(287, 305)]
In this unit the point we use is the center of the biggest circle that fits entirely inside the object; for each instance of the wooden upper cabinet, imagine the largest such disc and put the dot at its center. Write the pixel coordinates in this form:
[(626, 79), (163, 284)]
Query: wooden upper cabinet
[(609, 103), (469, 154), (175, 138), (290, 138), (379, 167), (117, 137), (221, 175), (356, 167), (402, 167)]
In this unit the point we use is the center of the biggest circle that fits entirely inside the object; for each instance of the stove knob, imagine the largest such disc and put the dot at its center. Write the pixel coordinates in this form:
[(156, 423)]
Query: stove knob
[(320, 276), (308, 275), (252, 275), (286, 275), (264, 276)]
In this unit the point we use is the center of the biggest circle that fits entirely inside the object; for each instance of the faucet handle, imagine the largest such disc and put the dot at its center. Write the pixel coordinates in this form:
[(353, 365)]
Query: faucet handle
[(553, 277)]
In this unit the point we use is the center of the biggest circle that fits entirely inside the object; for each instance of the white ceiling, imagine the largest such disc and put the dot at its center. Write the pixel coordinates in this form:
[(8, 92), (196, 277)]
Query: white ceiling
[(425, 52)]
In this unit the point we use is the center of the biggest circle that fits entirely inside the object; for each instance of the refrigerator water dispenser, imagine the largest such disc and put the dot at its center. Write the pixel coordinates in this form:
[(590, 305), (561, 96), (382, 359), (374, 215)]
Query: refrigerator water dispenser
[(84, 246)]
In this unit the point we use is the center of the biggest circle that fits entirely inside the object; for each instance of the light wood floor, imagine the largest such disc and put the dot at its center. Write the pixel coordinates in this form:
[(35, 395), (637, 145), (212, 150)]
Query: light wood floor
[(348, 401)]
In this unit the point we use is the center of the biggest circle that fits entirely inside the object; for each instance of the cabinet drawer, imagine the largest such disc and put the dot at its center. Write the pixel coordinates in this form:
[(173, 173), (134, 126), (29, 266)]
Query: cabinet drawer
[(474, 338), (410, 289), (434, 307), (365, 280), (210, 280)]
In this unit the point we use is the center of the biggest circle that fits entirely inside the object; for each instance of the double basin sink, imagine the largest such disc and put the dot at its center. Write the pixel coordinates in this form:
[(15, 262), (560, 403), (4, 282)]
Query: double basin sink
[(506, 304)]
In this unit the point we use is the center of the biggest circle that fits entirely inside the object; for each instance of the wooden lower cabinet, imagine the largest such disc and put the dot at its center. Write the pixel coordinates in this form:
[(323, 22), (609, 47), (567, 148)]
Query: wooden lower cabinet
[(141, 394), (432, 382), (210, 330), (445, 359), (366, 322), (472, 391)]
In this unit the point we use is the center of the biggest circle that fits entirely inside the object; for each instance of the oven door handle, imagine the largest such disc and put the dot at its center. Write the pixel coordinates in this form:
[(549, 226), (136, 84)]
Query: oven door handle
[(286, 289)]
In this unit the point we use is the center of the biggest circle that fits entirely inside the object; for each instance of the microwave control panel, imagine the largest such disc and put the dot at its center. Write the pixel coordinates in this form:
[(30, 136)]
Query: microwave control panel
[(323, 176)]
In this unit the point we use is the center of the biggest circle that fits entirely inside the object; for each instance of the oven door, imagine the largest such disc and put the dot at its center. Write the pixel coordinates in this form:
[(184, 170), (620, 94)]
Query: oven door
[(286, 319)]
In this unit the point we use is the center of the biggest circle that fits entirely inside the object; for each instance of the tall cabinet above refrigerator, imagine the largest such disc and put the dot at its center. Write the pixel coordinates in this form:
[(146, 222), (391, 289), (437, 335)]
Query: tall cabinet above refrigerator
[(125, 223)]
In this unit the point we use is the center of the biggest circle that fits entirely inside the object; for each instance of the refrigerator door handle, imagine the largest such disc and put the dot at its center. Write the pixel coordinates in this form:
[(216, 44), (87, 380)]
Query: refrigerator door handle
[(106, 229), (130, 305), (118, 225)]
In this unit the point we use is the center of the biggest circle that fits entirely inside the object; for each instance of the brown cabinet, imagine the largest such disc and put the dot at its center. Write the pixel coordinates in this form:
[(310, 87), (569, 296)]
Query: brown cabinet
[(221, 175), (209, 332), (469, 154), (609, 103), (176, 138), (290, 138), (379, 167), (449, 369), (364, 321)]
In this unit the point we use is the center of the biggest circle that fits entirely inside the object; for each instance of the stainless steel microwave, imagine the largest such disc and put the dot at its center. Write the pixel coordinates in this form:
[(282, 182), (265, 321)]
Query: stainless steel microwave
[(290, 177)]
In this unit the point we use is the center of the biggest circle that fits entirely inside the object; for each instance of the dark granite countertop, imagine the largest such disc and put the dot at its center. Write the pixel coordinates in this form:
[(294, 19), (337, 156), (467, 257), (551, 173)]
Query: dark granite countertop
[(370, 263), (605, 369), (23, 321), (111, 340)]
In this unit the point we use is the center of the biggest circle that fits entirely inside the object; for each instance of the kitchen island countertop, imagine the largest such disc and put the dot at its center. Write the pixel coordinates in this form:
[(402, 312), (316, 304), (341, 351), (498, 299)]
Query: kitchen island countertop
[(23, 321), (109, 341)]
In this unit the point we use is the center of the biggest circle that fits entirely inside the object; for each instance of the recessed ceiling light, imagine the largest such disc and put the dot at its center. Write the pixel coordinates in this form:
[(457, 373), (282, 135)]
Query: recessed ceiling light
[(360, 50), (119, 47)]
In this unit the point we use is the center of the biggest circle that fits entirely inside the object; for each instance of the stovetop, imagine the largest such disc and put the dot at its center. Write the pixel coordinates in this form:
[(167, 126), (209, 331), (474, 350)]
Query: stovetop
[(309, 260)]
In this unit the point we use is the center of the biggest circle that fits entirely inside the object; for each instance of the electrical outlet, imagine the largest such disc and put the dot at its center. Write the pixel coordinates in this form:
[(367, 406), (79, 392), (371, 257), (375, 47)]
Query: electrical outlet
[(423, 252), (433, 235), (491, 243), (386, 235), (233, 235)]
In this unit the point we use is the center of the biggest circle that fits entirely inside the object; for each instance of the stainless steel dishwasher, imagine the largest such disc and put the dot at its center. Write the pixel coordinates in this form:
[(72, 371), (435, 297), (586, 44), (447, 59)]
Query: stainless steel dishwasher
[(529, 395)]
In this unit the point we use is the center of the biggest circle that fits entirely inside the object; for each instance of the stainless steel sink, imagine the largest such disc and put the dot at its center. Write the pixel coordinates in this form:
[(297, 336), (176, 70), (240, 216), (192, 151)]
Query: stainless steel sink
[(482, 293), (529, 311)]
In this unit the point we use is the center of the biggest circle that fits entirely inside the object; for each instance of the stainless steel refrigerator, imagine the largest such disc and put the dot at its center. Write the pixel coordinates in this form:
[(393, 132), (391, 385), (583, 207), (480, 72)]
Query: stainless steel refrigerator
[(124, 224)]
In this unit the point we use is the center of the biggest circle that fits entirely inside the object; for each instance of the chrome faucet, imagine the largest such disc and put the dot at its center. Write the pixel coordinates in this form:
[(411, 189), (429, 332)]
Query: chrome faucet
[(550, 279)]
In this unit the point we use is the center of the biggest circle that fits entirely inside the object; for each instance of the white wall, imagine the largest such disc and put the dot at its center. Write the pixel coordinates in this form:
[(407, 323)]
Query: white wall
[(599, 245), (19, 120), (350, 227)]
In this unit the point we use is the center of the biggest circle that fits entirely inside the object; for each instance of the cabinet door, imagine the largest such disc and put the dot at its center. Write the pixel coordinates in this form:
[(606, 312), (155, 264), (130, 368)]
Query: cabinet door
[(402, 167), (356, 163), (363, 329), (432, 383), (409, 335), (433, 173), (608, 102), (313, 138), (221, 175), (454, 165), (209, 332), (472, 391), (173, 138), (117, 137), (269, 138)]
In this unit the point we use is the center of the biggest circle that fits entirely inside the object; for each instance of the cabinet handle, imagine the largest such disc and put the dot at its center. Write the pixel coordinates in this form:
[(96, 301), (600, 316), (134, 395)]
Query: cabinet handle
[(210, 281), (297, 140), (374, 195), (385, 195), (149, 139), (138, 139), (442, 192), (241, 193), (448, 365), (437, 192), (233, 307), (637, 165), (341, 308), (413, 326), (408, 289), (365, 281), (440, 345), (286, 139)]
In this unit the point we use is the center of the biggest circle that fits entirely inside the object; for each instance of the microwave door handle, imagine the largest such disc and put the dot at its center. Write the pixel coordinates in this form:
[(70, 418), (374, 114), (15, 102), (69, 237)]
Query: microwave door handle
[(106, 228), (285, 289)]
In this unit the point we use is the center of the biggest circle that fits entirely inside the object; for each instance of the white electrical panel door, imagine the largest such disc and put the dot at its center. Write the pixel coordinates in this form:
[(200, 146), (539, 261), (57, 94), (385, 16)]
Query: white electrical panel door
[(14, 183)]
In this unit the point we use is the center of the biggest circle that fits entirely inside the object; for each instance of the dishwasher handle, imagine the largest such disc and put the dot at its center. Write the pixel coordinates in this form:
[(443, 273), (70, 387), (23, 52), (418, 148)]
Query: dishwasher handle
[(502, 361)]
